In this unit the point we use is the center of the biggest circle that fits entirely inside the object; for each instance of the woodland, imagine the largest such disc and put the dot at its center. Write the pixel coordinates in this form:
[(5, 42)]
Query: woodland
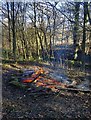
[(46, 59)]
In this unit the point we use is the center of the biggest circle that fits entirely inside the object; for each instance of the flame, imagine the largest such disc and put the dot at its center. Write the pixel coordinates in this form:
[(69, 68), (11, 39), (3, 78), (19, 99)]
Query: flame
[(40, 84), (27, 81), (41, 71), (34, 76), (43, 81)]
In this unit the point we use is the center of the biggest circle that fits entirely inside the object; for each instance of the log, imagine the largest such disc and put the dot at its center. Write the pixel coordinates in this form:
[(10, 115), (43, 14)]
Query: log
[(73, 89), (33, 77), (15, 66), (42, 93)]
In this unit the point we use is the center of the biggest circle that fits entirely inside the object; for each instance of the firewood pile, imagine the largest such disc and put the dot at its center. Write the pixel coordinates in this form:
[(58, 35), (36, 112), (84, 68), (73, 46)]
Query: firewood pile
[(38, 78)]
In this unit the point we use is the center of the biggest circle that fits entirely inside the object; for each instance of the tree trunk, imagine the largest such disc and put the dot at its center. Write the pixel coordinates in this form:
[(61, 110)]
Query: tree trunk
[(9, 35), (84, 33), (13, 31), (89, 18), (42, 49), (63, 30), (54, 22), (50, 42), (76, 25), (35, 29)]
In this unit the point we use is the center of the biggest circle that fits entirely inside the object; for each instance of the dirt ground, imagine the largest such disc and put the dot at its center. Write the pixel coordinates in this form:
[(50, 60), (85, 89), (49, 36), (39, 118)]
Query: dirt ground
[(21, 104)]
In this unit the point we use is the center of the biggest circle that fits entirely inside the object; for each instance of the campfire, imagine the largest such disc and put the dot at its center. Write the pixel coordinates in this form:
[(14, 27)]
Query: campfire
[(38, 77)]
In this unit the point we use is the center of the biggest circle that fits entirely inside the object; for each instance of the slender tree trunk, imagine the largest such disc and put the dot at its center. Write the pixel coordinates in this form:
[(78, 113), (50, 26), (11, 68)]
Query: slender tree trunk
[(89, 18), (13, 31), (76, 25), (50, 41), (54, 22), (9, 35), (84, 33), (63, 30), (20, 35), (35, 29), (24, 56), (23, 12), (42, 48), (45, 40), (50, 45)]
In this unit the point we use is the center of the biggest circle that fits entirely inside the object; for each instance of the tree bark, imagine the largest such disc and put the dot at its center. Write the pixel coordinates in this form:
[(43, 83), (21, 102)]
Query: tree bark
[(84, 33), (54, 22), (13, 31), (35, 29), (76, 25), (9, 35)]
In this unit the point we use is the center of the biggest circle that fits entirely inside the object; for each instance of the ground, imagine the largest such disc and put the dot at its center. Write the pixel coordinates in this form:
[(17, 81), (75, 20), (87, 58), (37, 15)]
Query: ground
[(21, 104)]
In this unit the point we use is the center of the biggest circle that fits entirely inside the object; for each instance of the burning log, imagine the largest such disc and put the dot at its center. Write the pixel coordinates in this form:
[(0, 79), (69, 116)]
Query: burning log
[(34, 76)]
